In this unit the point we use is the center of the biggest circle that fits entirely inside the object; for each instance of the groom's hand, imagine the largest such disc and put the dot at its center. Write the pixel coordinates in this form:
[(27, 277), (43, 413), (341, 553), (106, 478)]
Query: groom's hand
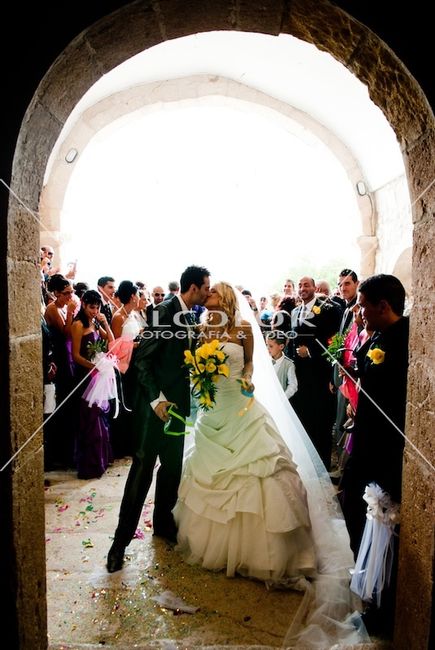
[(161, 410)]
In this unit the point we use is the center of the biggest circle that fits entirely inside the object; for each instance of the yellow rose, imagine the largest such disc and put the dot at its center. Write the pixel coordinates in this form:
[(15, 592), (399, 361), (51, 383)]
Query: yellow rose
[(376, 355), (224, 370), (214, 344), (220, 356), (316, 310), (188, 357), (205, 350), (201, 367), (210, 366)]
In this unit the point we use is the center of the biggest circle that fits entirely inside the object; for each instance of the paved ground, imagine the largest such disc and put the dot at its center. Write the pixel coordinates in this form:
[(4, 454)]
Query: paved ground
[(86, 605)]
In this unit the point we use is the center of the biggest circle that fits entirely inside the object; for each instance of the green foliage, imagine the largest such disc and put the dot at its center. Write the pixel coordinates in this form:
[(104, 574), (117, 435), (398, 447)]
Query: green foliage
[(100, 345), (335, 348)]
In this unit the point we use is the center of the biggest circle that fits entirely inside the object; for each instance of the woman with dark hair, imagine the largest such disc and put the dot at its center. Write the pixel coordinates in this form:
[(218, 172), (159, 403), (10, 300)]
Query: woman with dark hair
[(89, 330), (126, 328), (80, 288), (59, 316)]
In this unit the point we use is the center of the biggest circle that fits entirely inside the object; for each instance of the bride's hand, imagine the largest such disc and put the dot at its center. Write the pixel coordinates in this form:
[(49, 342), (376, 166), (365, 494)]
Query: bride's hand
[(247, 384)]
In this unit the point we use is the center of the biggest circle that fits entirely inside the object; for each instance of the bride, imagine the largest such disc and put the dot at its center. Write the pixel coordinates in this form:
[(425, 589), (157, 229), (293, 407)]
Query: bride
[(250, 506)]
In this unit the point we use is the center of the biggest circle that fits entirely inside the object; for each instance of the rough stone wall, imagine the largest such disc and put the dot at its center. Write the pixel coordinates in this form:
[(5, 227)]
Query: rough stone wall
[(416, 557), (393, 223)]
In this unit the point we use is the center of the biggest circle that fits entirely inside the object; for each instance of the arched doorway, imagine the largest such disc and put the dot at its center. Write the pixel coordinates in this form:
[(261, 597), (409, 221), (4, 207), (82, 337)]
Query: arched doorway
[(105, 44)]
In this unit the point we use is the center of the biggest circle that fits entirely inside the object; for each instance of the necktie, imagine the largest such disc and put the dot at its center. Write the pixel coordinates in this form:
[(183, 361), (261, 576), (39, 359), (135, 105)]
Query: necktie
[(343, 320), (302, 314), (273, 361)]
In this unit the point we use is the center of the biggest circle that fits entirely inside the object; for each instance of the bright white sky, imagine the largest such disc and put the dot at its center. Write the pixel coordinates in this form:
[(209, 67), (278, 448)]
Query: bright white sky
[(210, 185)]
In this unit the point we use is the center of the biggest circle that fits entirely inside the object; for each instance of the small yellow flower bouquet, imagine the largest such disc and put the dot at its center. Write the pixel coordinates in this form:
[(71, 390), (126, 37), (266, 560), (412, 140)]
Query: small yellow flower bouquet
[(206, 366)]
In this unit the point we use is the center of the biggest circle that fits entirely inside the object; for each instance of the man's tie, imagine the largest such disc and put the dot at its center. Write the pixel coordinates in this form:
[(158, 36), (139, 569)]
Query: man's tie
[(302, 314), (343, 320)]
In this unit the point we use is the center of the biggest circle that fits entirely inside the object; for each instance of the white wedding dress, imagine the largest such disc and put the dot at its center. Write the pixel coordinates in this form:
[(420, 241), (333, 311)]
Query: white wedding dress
[(241, 504), (249, 505)]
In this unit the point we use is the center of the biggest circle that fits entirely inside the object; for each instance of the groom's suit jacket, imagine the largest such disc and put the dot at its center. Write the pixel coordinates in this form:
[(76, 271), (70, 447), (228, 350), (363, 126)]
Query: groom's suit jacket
[(159, 359)]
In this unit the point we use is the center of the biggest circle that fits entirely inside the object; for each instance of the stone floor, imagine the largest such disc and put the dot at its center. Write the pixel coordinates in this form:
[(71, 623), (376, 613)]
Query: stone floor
[(88, 608)]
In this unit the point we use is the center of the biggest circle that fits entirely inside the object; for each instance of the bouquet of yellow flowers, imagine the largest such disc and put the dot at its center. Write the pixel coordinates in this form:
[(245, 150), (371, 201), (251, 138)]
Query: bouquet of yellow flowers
[(205, 366)]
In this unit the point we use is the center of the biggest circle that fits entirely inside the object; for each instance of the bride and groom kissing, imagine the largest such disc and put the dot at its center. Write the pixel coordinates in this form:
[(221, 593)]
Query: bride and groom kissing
[(237, 501)]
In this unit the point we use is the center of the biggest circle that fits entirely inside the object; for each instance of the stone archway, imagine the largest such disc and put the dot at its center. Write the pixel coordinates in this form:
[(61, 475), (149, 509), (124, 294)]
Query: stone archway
[(195, 90), (104, 45)]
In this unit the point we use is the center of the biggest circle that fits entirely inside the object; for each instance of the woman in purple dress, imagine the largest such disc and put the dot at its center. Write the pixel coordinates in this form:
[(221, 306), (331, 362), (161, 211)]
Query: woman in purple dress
[(89, 331)]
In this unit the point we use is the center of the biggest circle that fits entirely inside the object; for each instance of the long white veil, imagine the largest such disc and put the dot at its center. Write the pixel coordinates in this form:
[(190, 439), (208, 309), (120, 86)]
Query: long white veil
[(328, 615)]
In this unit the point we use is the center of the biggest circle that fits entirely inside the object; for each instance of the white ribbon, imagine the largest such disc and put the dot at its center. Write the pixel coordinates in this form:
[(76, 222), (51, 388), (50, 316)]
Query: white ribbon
[(375, 556), (102, 386)]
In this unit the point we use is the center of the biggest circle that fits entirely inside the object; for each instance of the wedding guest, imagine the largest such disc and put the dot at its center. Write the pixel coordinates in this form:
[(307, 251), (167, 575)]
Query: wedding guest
[(107, 288), (252, 304), (377, 448), (348, 285), (140, 310), (80, 288), (126, 328), (314, 322), (93, 451), (158, 296), (289, 288), (283, 366), (173, 289), (59, 316), (47, 255)]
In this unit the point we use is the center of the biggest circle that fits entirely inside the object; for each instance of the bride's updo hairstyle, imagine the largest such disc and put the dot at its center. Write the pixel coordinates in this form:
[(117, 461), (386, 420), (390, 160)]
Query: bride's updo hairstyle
[(229, 303)]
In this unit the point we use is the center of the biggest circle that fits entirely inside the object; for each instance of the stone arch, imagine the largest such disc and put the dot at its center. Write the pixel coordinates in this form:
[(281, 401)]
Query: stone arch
[(99, 48), (197, 89)]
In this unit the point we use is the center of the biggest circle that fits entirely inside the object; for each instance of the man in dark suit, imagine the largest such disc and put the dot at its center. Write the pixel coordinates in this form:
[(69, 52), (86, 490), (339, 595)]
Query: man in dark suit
[(106, 287), (313, 323), (348, 285), (377, 451), (161, 380)]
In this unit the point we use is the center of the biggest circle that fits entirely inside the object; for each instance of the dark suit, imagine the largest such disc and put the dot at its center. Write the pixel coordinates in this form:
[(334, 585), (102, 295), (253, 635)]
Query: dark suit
[(108, 310), (313, 402), (377, 450), (158, 367), (341, 417)]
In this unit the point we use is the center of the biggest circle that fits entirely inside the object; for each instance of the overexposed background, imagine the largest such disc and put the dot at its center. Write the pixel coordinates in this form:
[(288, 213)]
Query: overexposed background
[(210, 185)]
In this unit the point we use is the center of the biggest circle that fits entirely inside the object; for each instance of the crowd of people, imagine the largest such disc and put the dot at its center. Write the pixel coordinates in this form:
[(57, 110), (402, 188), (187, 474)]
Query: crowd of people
[(340, 359)]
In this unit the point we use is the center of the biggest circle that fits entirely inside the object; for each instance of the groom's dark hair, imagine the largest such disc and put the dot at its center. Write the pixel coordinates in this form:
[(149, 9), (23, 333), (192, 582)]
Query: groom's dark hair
[(193, 275)]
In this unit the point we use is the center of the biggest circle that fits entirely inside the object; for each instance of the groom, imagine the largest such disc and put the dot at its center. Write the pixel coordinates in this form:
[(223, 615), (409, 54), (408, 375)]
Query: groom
[(161, 380)]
